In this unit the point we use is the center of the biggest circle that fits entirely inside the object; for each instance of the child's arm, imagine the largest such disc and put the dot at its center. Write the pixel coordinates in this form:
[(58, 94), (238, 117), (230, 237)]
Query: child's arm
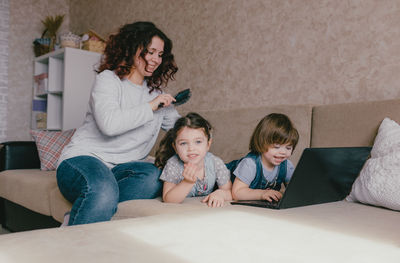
[(241, 191), (219, 196), (176, 193)]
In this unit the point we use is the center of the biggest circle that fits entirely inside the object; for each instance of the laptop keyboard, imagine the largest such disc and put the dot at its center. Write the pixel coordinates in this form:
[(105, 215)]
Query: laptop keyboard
[(258, 203)]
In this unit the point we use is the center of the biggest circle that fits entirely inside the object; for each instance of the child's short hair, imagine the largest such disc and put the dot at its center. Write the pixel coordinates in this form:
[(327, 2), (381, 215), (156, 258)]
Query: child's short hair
[(275, 128)]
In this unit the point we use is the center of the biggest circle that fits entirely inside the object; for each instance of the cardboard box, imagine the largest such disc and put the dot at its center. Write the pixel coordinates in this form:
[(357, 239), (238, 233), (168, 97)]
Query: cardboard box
[(39, 114), (41, 84)]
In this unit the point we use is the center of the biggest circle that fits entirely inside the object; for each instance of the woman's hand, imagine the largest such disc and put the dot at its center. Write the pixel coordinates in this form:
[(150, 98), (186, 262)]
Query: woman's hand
[(215, 199), (271, 195), (164, 99)]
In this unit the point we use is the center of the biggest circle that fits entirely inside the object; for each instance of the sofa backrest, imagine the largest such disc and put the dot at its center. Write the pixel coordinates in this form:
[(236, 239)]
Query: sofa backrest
[(233, 128), (351, 124)]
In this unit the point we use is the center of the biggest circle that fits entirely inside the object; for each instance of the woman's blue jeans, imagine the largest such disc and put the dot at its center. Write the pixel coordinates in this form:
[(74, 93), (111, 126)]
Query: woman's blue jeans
[(95, 190)]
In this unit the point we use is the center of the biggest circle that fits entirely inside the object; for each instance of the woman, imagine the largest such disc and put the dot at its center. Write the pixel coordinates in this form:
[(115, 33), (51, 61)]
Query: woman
[(104, 162)]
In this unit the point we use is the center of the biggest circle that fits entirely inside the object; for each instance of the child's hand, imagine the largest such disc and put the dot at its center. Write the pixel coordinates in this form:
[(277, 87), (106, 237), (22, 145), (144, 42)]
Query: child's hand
[(215, 199), (271, 195), (190, 172)]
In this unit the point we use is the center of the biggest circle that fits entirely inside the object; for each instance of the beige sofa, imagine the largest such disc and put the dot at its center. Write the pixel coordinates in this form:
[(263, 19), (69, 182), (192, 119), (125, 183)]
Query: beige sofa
[(37, 190), (153, 231), (353, 124)]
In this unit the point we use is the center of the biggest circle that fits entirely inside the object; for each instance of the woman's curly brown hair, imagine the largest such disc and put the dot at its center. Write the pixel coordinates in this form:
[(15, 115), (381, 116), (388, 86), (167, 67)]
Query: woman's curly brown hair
[(121, 49)]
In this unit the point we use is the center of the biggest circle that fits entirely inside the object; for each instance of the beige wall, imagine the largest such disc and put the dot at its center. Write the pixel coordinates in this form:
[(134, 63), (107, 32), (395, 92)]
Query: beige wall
[(237, 53), (25, 26)]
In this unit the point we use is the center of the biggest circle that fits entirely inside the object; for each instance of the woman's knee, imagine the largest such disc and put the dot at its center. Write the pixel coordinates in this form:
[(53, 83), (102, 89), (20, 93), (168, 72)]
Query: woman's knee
[(152, 172), (105, 194), (86, 176), (138, 180), (142, 171)]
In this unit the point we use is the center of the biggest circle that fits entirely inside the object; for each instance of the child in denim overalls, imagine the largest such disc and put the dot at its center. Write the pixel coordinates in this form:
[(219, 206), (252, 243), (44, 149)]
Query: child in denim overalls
[(260, 174)]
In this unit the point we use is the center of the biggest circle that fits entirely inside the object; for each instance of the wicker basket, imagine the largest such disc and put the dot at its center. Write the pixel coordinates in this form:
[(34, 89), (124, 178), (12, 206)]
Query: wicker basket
[(41, 46), (41, 120), (94, 45), (94, 42), (70, 40)]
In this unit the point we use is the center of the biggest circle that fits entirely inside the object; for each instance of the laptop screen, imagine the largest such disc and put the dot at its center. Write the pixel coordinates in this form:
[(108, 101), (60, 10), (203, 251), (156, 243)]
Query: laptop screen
[(324, 175)]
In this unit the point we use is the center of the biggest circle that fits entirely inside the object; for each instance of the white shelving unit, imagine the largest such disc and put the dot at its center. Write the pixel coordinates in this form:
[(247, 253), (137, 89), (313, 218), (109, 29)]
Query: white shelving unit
[(70, 76)]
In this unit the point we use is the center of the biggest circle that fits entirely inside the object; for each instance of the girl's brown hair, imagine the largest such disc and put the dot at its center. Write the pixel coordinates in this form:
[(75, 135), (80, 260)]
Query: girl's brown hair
[(275, 128), (166, 149), (121, 49)]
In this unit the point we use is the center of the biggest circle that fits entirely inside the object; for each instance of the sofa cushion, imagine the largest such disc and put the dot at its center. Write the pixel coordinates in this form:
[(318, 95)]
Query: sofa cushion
[(387, 140), (379, 181), (150, 207), (58, 205), (332, 232), (132, 208), (29, 188), (351, 124), (50, 145)]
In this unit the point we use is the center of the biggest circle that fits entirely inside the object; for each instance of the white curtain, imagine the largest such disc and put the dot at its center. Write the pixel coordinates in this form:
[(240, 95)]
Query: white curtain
[(4, 32)]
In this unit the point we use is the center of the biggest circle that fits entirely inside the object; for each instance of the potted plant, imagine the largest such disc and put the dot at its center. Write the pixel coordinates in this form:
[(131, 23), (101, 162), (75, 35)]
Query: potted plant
[(52, 24)]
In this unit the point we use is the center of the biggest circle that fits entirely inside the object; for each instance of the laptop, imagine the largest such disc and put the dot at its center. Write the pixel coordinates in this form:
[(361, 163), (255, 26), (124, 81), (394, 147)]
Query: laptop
[(322, 175)]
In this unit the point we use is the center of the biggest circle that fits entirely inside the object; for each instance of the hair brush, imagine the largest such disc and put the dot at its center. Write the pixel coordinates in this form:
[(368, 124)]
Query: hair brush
[(180, 98)]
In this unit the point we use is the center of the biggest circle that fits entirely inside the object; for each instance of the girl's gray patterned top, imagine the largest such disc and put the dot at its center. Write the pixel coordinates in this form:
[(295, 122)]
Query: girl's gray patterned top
[(215, 172)]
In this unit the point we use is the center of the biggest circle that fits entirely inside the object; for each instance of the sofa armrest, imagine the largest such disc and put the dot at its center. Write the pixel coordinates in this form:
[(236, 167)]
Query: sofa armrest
[(19, 155)]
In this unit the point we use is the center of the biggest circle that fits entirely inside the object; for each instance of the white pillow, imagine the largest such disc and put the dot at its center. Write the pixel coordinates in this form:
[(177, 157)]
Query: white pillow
[(379, 180), (387, 140)]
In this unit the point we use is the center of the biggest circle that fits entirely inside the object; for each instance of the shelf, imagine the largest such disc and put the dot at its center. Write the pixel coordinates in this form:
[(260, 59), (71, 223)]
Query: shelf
[(56, 74), (68, 75), (54, 111)]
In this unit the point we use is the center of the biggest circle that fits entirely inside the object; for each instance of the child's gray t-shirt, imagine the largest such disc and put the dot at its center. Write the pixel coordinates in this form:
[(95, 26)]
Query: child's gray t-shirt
[(246, 171), (215, 172)]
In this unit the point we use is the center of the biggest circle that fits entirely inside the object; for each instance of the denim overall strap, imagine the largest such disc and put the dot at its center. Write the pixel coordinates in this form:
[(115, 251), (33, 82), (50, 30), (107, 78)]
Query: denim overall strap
[(281, 175), (259, 181), (233, 164)]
